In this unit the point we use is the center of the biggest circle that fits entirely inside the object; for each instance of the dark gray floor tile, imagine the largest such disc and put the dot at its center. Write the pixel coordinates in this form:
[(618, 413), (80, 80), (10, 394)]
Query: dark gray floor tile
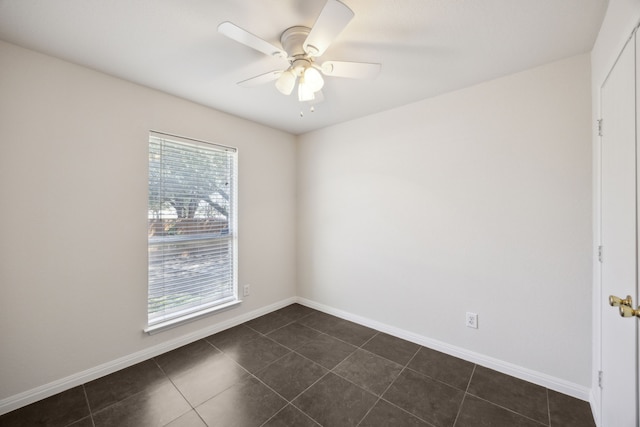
[(118, 386), (293, 335), (257, 353), (190, 419), (369, 371), (186, 357), (247, 404), (232, 337), (326, 351), (351, 332), (392, 348), (335, 402), (296, 311), (441, 366), (385, 414), (58, 410), (210, 377), (567, 411), (512, 393), (479, 413), (268, 323), (342, 329), (291, 375), (319, 321), (428, 399), (290, 416), (155, 406)]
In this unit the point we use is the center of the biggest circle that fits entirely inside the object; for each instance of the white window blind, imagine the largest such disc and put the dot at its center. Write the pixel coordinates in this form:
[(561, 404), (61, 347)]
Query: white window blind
[(191, 228)]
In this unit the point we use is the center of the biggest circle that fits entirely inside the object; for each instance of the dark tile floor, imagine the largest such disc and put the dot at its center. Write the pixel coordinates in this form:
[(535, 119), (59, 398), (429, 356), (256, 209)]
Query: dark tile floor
[(300, 367)]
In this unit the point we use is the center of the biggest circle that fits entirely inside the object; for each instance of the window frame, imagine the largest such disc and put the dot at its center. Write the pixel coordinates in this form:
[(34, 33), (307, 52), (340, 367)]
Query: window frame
[(195, 312)]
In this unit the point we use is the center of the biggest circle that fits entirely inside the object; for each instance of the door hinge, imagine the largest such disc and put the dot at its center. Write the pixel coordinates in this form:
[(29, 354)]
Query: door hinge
[(600, 253), (600, 127), (600, 379)]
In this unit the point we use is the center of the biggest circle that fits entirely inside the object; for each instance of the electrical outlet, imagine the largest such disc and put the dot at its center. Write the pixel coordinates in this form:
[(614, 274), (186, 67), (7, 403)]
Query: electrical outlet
[(472, 320), (246, 290)]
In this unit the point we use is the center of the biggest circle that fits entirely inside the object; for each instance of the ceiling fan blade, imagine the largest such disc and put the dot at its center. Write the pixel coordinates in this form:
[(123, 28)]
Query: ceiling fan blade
[(332, 20), (352, 70), (261, 79), (240, 35)]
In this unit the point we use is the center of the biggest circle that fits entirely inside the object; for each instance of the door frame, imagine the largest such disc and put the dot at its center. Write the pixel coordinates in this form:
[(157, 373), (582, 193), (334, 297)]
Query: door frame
[(596, 390)]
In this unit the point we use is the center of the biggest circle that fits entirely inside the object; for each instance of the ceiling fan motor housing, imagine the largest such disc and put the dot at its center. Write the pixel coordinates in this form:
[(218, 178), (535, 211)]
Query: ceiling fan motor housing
[(293, 39)]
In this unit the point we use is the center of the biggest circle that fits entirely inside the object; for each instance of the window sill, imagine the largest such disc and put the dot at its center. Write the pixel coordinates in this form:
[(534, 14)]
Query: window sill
[(169, 324)]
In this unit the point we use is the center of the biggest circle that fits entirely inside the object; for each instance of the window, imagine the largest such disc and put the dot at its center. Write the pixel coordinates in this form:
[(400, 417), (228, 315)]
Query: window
[(191, 229)]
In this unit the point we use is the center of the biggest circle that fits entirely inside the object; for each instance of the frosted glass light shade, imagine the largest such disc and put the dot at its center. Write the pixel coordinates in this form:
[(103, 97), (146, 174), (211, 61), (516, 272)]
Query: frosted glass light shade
[(304, 91), (313, 79), (286, 82)]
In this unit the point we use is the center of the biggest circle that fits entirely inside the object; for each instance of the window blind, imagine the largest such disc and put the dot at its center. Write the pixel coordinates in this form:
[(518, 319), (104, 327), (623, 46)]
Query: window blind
[(191, 227)]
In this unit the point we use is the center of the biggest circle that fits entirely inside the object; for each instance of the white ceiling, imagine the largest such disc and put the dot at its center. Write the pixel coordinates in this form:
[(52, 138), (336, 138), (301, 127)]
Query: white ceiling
[(426, 47)]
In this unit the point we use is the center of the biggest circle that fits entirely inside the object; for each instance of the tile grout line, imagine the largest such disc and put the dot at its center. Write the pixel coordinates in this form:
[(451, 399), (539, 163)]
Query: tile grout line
[(292, 320), (340, 339), (179, 391), (464, 396), (274, 391), (420, 373), (338, 364), (379, 398), (372, 337), (284, 407), (288, 402), (334, 373), (249, 375), (434, 379), (406, 366), (507, 409), (427, 376), (362, 388), (323, 332), (291, 350), (86, 398), (274, 415), (548, 407)]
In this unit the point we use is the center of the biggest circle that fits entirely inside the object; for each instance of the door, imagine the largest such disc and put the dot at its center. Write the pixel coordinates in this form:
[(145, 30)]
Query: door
[(619, 237), (637, 42)]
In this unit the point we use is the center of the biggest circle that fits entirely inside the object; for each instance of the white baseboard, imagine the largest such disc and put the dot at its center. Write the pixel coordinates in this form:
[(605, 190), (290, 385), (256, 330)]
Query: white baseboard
[(30, 396), (544, 380)]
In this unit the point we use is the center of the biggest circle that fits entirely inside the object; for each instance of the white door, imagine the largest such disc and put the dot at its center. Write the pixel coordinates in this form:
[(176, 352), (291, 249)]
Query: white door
[(619, 237), (637, 42)]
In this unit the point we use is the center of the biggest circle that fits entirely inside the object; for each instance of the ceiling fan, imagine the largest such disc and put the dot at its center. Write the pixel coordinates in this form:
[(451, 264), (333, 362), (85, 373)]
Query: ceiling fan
[(302, 47)]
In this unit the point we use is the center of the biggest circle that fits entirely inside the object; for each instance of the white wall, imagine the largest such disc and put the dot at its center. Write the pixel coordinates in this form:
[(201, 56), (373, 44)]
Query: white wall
[(621, 18), (478, 200), (73, 183)]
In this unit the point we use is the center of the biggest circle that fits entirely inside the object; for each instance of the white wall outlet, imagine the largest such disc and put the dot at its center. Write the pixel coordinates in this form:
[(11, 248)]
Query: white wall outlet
[(246, 290), (472, 320)]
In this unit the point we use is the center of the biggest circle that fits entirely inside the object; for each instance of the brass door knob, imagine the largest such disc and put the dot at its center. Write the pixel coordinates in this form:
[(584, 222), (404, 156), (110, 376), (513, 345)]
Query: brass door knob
[(626, 311), (615, 301)]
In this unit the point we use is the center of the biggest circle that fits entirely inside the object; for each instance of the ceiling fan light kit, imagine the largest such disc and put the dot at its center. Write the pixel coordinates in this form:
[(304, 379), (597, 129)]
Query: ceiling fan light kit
[(286, 82), (304, 91), (301, 46), (313, 79)]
